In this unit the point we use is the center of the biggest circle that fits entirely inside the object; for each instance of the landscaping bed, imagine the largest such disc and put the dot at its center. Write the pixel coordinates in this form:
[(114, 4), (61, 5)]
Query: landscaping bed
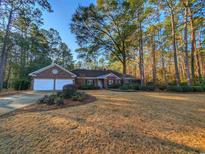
[(38, 107)]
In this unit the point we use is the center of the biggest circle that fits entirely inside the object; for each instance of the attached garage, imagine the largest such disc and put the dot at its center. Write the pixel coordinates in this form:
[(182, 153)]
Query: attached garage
[(43, 84), (52, 77), (61, 82)]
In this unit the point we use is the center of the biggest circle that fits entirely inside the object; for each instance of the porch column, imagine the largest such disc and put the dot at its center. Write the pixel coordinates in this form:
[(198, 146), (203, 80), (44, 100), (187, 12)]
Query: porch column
[(105, 83)]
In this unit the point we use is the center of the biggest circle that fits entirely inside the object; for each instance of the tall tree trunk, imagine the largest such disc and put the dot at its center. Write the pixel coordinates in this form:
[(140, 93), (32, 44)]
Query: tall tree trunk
[(177, 76), (124, 64), (154, 76), (141, 54), (202, 55), (193, 44), (186, 47), (4, 52), (163, 67)]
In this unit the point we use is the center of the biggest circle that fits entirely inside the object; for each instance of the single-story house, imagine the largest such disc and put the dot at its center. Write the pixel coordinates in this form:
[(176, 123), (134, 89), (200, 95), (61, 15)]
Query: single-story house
[(54, 77)]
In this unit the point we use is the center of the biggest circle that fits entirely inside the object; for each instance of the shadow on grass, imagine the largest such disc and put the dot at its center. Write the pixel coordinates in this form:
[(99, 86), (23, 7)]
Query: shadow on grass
[(153, 142)]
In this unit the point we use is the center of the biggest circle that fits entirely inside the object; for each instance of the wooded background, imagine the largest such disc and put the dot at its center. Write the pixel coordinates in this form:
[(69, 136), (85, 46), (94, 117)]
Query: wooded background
[(156, 41), (24, 45)]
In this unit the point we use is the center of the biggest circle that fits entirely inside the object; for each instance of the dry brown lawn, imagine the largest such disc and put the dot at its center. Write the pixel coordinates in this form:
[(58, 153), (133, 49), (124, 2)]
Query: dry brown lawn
[(135, 122)]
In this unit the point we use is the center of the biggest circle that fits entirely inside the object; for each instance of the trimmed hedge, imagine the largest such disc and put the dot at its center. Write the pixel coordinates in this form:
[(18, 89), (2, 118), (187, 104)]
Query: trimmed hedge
[(137, 87), (124, 87), (114, 86), (88, 87), (172, 88), (186, 88)]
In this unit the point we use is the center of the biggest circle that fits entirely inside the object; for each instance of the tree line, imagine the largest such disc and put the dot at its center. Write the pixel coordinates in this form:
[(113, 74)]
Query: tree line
[(156, 41), (24, 45)]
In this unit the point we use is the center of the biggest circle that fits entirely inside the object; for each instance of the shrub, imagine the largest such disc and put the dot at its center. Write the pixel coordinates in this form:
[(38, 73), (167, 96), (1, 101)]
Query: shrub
[(137, 81), (187, 88), (43, 100), (69, 91), (59, 94), (135, 86), (203, 87), (162, 87), (88, 87), (59, 101), (175, 88), (150, 88), (79, 96), (124, 87), (143, 88), (150, 83), (197, 88), (21, 84), (114, 86), (49, 100), (5, 85)]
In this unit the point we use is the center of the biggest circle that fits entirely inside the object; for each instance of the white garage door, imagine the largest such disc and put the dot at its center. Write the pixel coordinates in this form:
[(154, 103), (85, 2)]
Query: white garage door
[(43, 84), (61, 82)]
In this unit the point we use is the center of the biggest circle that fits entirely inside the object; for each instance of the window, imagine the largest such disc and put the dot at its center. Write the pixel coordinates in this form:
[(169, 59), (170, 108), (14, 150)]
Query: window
[(110, 82), (89, 82)]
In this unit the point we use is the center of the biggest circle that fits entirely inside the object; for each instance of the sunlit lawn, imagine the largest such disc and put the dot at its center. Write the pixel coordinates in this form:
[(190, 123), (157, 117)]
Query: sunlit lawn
[(137, 122)]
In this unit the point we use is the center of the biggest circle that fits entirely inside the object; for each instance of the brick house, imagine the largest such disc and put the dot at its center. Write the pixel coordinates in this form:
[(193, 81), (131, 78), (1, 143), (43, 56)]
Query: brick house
[(54, 77), (100, 78)]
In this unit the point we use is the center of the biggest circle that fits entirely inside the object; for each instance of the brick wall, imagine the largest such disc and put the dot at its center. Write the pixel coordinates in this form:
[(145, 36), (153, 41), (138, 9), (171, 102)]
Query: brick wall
[(62, 74)]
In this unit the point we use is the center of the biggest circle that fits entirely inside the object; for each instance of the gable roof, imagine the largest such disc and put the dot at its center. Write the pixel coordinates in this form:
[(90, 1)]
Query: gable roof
[(107, 75), (98, 73), (50, 66)]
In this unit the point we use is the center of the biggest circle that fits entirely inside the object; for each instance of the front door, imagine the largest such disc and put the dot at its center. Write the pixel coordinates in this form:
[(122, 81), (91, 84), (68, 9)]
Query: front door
[(100, 84)]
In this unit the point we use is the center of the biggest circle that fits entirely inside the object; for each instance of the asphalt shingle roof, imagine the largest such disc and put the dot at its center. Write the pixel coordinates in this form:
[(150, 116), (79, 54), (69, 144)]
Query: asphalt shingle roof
[(96, 73)]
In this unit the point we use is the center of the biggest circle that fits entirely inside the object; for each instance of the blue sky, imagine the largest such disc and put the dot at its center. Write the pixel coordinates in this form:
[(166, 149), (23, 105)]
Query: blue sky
[(60, 19)]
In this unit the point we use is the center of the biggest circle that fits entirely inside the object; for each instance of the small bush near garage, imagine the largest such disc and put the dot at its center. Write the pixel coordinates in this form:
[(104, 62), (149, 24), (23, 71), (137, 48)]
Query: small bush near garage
[(21, 84), (79, 96), (69, 91), (59, 101), (88, 87), (51, 100)]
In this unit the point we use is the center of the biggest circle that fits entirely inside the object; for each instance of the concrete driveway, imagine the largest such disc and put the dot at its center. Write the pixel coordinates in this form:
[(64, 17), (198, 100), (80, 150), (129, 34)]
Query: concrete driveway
[(13, 102)]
